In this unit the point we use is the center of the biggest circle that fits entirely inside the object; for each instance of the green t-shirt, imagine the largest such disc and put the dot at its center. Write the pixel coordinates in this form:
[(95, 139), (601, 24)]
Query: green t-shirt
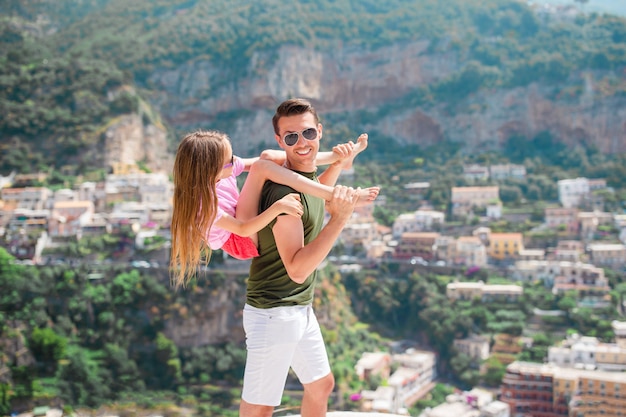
[(268, 284)]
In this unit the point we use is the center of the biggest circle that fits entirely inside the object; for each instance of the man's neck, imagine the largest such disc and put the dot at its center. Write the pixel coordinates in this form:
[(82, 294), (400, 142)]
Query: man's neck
[(300, 167)]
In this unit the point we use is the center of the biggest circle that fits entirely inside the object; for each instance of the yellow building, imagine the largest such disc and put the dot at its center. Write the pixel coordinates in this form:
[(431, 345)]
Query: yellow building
[(505, 245), (600, 393), (533, 389)]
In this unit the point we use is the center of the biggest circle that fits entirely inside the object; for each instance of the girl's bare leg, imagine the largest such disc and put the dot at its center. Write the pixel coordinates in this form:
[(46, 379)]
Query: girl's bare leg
[(263, 170)]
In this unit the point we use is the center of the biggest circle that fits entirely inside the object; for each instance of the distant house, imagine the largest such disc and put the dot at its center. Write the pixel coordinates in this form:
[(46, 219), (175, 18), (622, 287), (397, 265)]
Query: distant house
[(505, 171), (419, 244), (480, 290), (474, 403), (64, 194), (586, 352), (532, 254), (412, 379), (611, 255), (416, 189), (572, 192), (129, 212), (563, 219), (505, 245), (465, 199), (548, 271), (445, 248), (470, 251), (417, 221), (578, 192), (373, 363), (589, 284), (68, 217), (549, 390), (568, 250), (476, 347), (619, 329), (494, 210), (30, 198), (414, 376), (589, 222), (475, 173), (28, 220)]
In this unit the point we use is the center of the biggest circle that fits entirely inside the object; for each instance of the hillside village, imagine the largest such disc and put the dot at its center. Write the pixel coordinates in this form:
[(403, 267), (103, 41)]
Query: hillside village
[(578, 373)]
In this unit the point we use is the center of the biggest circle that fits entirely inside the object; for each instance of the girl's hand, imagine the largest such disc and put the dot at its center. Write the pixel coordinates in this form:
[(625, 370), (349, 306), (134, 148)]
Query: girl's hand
[(291, 205)]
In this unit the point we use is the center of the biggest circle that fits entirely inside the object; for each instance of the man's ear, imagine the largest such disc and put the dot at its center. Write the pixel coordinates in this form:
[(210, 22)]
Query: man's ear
[(319, 130), (280, 142)]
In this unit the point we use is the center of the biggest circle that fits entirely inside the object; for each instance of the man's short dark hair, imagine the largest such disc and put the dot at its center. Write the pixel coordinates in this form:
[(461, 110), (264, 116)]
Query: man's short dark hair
[(293, 107)]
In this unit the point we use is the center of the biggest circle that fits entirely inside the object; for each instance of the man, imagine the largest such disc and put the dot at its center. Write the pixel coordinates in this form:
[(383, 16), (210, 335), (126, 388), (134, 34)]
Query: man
[(281, 329)]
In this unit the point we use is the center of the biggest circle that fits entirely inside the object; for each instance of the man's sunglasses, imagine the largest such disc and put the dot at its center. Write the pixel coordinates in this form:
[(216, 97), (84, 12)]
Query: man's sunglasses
[(291, 139)]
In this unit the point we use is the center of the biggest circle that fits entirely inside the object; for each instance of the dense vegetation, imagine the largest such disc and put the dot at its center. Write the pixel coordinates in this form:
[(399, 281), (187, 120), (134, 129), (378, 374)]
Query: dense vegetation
[(98, 338)]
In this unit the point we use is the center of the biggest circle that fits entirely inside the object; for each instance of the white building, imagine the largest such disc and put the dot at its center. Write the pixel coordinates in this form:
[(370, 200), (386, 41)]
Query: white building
[(504, 171), (619, 328), (476, 347), (412, 379), (420, 220), (612, 255), (414, 376), (547, 272), (583, 352), (475, 403), (475, 172), (65, 194), (480, 290), (31, 198), (573, 191), (470, 251), (578, 191), (575, 352)]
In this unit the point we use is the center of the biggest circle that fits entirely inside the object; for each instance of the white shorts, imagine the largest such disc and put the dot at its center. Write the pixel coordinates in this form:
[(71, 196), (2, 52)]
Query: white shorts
[(276, 339)]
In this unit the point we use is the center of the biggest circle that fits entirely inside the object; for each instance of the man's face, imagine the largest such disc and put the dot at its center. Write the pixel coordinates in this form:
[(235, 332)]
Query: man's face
[(300, 156)]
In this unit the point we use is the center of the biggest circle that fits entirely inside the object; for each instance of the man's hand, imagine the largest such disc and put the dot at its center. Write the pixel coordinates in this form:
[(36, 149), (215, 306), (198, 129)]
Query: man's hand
[(342, 204)]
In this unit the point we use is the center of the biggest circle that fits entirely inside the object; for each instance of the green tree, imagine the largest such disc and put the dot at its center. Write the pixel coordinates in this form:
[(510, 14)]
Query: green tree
[(48, 347), (495, 372), (81, 380), (168, 361)]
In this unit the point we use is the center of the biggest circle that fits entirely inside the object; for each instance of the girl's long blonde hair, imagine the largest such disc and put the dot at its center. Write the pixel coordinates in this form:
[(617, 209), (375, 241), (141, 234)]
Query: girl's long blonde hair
[(199, 161)]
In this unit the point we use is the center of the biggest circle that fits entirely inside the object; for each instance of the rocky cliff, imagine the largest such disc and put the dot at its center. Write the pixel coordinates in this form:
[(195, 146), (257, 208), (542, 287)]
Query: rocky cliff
[(346, 80), (128, 141)]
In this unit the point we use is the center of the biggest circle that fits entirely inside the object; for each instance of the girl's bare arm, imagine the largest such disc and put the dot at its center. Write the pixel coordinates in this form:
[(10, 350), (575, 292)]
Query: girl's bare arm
[(290, 204)]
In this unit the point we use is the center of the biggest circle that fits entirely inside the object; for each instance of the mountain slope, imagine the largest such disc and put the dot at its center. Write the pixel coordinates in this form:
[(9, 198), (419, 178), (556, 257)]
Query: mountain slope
[(411, 71)]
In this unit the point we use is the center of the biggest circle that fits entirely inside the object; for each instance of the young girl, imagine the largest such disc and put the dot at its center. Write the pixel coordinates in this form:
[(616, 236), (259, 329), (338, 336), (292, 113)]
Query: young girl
[(210, 212)]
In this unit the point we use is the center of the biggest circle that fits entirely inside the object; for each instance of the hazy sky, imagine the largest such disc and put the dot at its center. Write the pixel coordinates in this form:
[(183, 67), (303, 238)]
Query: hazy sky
[(617, 7)]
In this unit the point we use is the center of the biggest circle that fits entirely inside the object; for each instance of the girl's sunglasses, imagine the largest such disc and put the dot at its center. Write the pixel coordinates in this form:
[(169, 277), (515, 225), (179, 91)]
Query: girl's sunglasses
[(291, 139), (230, 164)]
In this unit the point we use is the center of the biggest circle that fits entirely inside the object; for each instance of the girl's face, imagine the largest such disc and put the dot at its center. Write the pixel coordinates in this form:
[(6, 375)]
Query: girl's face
[(227, 168)]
